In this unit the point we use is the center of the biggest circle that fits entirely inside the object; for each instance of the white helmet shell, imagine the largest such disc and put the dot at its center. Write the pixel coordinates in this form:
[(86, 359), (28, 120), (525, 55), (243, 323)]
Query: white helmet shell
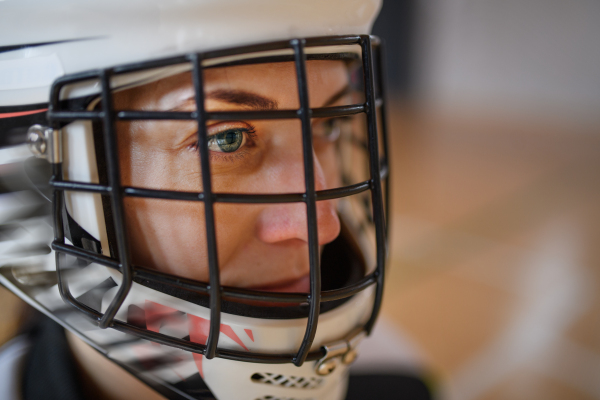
[(115, 32)]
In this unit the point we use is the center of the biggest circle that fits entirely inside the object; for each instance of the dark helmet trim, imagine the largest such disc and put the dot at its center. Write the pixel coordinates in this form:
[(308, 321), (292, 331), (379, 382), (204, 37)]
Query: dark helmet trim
[(15, 47)]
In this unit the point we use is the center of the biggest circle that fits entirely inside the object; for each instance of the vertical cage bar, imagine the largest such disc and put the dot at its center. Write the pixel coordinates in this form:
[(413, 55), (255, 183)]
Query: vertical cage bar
[(54, 102), (380, 59), (58, 201), (304, 114), (211, 241), (57, 172), (376, 192), (59, 229), (116, 199)]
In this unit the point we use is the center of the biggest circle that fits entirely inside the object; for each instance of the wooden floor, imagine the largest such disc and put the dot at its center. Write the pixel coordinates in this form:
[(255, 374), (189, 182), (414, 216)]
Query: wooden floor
[(495, 253), (495, 249)]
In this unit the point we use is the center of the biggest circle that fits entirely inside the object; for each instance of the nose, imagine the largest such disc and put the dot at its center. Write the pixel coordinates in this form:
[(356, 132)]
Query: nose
[(281, 222)]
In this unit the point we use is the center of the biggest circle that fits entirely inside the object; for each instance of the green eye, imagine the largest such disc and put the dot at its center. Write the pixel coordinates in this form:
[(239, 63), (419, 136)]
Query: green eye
[(227, 141)]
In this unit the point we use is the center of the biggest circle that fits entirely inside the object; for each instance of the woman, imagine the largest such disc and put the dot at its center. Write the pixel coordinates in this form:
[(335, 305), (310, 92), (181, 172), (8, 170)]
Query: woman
[(218, 210)]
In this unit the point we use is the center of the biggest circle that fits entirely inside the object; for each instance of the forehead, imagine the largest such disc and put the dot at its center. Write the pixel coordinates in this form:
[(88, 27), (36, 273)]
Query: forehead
[(276, 81)]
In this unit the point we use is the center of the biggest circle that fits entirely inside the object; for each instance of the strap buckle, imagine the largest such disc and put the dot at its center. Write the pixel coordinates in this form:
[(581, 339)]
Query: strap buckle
[(342, 351)]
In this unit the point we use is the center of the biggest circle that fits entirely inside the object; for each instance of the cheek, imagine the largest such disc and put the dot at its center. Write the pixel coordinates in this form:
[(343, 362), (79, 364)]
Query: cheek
[(165, 170), (168, 236), (149, 157), (329, 160), (235, 230)]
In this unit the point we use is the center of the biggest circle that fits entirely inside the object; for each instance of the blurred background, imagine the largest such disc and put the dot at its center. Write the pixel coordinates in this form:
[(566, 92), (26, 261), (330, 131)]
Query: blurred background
[(495, 132), (494, 115)]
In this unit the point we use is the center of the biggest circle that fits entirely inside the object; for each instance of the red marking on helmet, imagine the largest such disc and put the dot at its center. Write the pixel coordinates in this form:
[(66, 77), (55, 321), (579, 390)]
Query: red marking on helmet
[(228, 331), (249, 333), (21, 113), (157, 314), (199, 328)]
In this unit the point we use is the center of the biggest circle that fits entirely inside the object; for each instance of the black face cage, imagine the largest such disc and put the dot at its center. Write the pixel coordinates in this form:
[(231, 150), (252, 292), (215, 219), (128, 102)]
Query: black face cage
[(59, 115)]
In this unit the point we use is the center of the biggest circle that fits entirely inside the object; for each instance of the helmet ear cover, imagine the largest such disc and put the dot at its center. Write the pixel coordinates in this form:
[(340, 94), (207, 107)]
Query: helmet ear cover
[(345, 272)]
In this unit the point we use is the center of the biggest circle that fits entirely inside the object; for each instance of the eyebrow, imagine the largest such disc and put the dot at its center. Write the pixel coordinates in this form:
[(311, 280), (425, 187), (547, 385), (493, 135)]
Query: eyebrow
[(256, 101), (243, 98), (233, 96)]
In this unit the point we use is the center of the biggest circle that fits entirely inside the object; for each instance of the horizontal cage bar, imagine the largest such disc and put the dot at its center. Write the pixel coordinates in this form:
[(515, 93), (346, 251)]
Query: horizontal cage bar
[(203, 288), (285, 44), (85, 255), (242, 198), (163, 194), (247, 294), (186, 58), (75, 115), (76, 186), (141, 66), (273, 46), (333, 40), (320, 112), (187, 345), (222, 353)]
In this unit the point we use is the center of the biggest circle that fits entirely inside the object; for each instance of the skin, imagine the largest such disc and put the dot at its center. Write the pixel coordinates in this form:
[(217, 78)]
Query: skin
[(259, 246)]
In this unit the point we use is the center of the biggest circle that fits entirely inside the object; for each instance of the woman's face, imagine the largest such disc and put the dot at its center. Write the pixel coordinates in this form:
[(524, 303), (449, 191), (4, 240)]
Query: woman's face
[(260, 246)]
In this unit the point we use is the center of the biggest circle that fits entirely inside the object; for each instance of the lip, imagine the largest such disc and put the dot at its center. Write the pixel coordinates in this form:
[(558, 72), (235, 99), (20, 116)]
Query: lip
[(300, 285)]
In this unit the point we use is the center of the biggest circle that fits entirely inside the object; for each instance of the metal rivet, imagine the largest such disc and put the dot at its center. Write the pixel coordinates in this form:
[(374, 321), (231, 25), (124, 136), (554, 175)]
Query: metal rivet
[(350, 357), (36, 140), (327, 367)]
